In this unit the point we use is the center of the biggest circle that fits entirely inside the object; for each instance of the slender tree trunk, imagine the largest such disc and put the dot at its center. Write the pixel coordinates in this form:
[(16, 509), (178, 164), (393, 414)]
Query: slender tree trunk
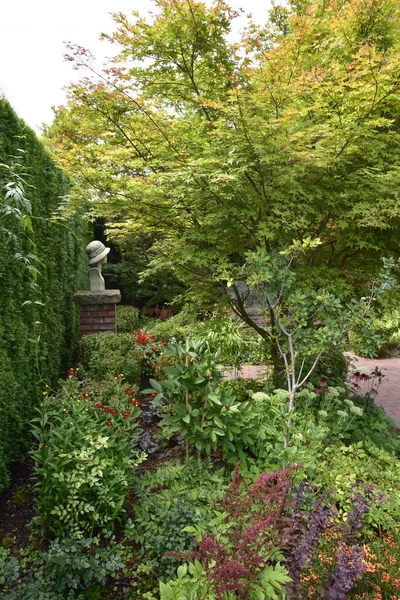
[(279, 377), (278, 374)]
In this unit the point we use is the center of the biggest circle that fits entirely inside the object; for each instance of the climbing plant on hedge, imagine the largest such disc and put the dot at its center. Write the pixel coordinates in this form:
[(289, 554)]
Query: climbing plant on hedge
[(42, 264)]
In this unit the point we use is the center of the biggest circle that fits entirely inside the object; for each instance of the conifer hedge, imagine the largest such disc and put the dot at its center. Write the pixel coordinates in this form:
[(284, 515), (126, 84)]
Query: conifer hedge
[(26, 361)]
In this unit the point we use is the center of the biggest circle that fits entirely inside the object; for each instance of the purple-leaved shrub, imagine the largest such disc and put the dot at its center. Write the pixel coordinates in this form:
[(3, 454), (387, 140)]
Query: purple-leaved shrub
[(258, 523)]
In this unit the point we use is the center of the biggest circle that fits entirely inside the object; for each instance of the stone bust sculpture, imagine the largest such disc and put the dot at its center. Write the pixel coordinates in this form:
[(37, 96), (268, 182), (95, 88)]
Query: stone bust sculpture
[(97, 256)]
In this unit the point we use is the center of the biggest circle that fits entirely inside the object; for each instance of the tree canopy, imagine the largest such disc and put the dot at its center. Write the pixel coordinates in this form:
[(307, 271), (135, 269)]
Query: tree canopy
[(214, 147)]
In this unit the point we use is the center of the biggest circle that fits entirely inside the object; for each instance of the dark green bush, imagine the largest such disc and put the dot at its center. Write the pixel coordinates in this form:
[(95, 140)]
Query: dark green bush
[(176, 328), (128, 319), (109, 354), (159, 287), (38, 325), (333, 365)]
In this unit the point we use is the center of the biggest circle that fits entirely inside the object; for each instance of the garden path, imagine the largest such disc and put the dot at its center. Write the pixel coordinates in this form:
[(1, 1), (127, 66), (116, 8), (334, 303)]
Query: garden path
[(388, 392)]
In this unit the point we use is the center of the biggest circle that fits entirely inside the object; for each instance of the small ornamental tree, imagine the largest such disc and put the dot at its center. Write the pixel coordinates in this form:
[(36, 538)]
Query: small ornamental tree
[(302, 323)]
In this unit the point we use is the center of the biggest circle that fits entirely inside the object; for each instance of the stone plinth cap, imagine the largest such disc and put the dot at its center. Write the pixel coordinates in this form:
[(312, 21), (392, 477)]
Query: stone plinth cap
[(103, 297)]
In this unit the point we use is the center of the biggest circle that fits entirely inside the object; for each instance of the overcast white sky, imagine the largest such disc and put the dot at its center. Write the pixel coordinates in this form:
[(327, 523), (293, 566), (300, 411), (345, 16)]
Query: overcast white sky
[(32, 36)]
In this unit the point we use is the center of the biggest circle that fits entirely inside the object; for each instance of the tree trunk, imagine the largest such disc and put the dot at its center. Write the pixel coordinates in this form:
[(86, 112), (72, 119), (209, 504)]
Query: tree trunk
[(279, 370)]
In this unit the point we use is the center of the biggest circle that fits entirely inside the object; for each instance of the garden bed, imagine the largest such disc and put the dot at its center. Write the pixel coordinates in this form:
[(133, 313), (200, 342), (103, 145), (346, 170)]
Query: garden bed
[(199, 487)]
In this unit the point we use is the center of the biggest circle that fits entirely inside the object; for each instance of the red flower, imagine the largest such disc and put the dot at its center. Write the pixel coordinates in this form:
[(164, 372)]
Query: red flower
[(121, 431), (127, 414), (109, 423), (317, 390), (145, 365), (153, 395), (322, 382), (129, 391), (153, 366), (86, 395), (120, 376), (46, 446), (134, 402), (71, 373)]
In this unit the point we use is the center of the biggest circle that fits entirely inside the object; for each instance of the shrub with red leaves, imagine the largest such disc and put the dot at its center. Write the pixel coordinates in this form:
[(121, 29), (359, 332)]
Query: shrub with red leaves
[(257, 525)]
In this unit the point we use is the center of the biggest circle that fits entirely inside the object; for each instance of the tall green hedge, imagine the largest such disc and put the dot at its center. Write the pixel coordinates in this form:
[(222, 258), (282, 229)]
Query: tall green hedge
[(24, 363)]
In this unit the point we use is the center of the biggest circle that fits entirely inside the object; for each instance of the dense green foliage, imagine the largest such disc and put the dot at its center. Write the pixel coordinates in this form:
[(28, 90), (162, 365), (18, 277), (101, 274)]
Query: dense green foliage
[(258, 174), (128, 319), (111, 354), (127, 276), (38, 317), (211, 148), (176, 497), (61, 572), (84, 459)]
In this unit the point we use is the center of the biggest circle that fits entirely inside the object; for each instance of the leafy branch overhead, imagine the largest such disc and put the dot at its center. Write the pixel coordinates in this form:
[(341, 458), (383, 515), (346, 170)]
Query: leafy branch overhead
[(212, 147)]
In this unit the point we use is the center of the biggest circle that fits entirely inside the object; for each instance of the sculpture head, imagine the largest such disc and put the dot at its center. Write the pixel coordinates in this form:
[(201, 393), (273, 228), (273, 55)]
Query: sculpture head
[(97, 253)]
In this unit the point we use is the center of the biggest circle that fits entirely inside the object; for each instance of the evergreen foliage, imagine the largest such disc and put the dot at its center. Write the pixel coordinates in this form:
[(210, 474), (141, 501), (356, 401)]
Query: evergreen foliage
[(38, 317)]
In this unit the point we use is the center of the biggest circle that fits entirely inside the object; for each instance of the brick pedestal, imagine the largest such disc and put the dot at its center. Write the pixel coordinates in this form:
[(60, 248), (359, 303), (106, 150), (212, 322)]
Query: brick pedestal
[(97, 311)]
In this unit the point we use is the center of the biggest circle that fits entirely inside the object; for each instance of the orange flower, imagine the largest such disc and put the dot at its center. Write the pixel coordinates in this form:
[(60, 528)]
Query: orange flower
[(370, 567), (368, 552)]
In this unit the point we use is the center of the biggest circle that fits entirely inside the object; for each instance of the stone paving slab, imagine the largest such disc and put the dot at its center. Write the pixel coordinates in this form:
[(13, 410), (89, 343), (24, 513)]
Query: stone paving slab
[(388, 392)]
